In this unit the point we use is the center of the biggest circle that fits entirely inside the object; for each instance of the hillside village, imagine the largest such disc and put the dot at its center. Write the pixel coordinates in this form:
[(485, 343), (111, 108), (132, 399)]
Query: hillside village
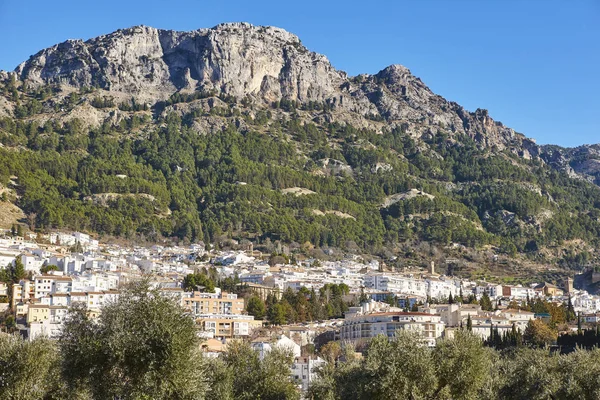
[(63, 269)]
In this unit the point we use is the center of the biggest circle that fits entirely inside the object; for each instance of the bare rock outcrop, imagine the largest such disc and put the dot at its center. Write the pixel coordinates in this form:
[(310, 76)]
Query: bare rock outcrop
[(265, 63)]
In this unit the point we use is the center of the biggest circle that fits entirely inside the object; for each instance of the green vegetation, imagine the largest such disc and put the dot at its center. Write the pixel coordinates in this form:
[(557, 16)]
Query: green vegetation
[(143, 346), (28, 370), (459, 368), (306, 305), (157, 176), (13, 272)]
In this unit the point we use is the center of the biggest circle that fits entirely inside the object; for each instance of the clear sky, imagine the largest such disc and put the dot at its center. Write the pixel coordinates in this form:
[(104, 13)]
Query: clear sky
[(533, 64)]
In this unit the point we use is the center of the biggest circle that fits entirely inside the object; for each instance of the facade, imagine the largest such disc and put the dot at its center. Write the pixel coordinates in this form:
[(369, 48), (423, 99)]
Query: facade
[(265, 345), (548, 289), (441, 288), (304, 370), (226, 326), (518, 317), (44, 312), (263, 291), (591, 318), (32, 263), (216, 303), (44, 328), (48, 284), (220, 314), (518, 292), (482, 326), (493, 291), (453, 314), (368, 321), (405, 285)]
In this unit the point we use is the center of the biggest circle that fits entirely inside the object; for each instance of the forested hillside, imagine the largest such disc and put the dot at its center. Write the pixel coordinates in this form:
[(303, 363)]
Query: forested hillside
[(208, 165)]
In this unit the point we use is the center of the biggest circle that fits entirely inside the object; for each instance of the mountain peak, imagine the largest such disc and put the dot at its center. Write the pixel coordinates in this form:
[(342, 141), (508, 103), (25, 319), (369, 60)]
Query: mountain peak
[(265, 63), (238, 59), (395, 69)]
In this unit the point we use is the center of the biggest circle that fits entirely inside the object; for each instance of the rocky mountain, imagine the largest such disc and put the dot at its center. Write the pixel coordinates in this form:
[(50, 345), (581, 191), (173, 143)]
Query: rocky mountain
[(239, 132), (579, 162), (264, 63)]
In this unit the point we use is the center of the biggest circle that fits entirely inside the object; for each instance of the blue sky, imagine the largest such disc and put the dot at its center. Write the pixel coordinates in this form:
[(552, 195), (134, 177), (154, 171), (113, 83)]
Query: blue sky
[(533, 64)]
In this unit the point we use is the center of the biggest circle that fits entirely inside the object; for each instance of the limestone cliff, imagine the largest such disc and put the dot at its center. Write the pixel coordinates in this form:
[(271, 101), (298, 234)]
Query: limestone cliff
[(264, 63)]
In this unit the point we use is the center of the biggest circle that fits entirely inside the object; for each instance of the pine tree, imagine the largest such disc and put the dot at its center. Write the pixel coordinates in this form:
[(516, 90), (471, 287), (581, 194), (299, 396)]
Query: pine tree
[(256, 307), (469, 323), (277, 314), (485, 302), (18, 270)]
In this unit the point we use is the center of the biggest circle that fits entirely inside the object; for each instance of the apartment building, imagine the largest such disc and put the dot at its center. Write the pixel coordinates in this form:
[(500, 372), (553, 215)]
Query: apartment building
[(226, 326), (220, 314), (304, 370), (493, 291), (213, 303), (405, 285), (47, 284), (518, 292), (373, 319), (452, 314)]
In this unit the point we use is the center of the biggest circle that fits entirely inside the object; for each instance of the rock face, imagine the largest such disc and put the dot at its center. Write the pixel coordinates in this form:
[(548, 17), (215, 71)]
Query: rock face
[(582, 162), (264, 63), (236, 59), (400, 96)]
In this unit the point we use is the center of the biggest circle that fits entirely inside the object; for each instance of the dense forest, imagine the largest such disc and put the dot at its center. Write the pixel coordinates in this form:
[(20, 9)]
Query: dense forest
[(151, 173)]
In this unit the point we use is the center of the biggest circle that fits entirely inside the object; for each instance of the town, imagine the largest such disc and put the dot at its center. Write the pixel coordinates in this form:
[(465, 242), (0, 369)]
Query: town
[(52, 272)]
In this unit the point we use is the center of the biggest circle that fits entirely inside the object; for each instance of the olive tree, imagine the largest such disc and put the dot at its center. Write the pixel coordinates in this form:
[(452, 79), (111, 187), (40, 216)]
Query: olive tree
[(253, 378), (143, 345), (27, 369), (463, 366)]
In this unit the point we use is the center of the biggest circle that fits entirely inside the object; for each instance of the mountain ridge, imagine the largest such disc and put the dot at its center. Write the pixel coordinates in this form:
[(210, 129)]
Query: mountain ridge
[(88, 63), (266, 63)]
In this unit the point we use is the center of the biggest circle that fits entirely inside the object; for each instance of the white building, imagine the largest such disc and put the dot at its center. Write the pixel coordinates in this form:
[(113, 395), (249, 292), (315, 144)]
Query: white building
[(441, 289), (453, 314), (44, 328), (518, 292), (518, 317), (304, 370), (399, 284), (32, 263), (373, 319), (47, 284), (493, 291)]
